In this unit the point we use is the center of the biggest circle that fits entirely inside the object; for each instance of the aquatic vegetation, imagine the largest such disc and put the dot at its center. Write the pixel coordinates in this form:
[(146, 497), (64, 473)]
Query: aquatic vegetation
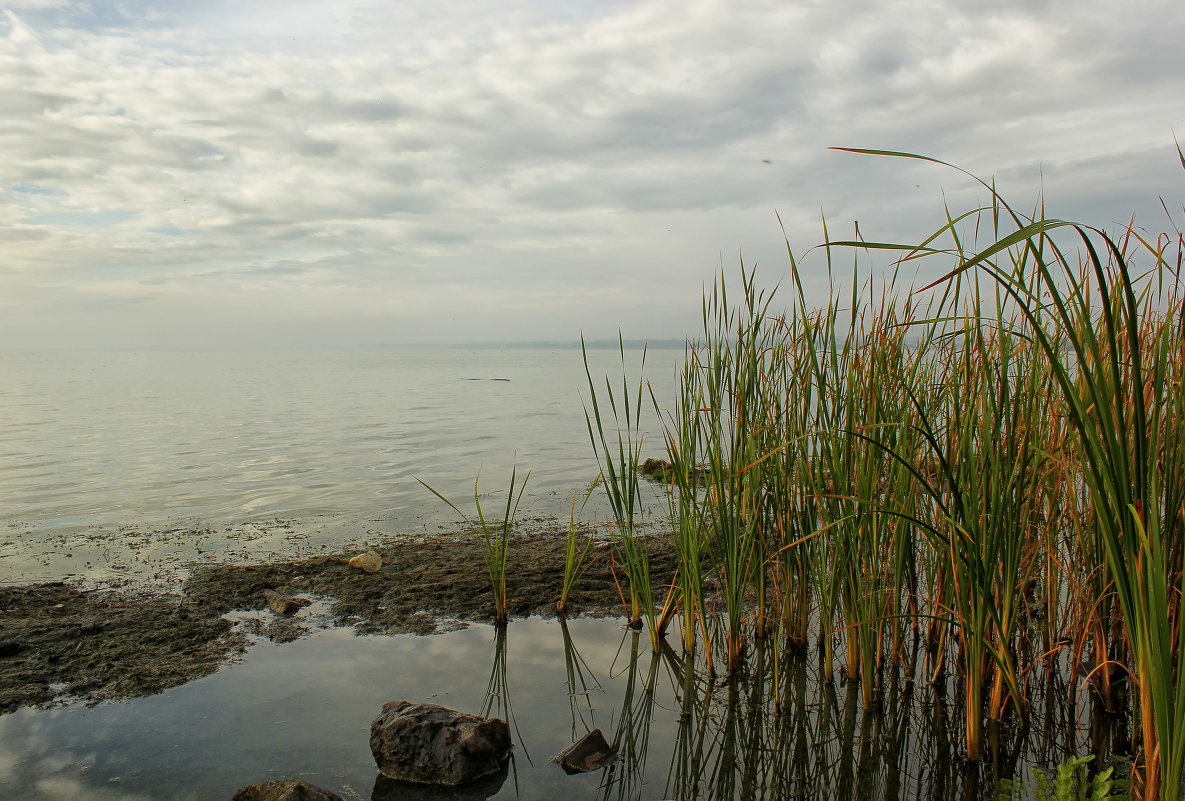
[(495, 538), (992, 465), (619, 478), (575, 556), (1069, 783)]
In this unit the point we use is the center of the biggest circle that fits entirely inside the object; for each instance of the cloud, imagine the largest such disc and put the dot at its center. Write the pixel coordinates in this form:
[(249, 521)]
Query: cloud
[(404, 165)]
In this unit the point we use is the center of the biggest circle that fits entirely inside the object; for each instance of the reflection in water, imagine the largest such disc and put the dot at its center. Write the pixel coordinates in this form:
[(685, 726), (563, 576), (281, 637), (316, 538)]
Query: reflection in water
[(679, 733), (498, 703), (390, 790), (581, 686), (732, 741)]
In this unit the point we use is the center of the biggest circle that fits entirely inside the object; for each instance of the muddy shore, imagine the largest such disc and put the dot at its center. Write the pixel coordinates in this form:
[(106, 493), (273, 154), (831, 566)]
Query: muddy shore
[(60, 642)]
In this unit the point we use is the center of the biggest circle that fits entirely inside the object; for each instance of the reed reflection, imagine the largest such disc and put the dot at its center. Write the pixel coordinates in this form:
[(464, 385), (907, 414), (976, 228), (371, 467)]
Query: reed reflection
[(778, 728)]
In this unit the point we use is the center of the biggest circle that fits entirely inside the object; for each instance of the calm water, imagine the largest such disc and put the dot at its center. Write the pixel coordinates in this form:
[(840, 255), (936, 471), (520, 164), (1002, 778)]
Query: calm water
[(304, 709), (115, 464)]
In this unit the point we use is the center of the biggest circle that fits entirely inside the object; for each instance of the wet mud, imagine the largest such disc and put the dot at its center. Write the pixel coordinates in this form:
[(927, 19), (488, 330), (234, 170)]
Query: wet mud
[(60, 642)]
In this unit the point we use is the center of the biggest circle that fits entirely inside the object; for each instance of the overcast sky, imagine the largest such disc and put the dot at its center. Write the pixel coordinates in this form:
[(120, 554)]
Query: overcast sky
[(283, 172)]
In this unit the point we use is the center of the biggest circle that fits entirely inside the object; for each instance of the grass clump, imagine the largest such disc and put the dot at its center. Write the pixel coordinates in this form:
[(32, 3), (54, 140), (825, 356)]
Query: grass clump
[(495, 537), (1069, 783), (988, 470)]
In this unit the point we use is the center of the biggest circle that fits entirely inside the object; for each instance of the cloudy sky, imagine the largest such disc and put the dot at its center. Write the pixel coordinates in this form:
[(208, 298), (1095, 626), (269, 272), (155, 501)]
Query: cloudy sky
[(289, 172)]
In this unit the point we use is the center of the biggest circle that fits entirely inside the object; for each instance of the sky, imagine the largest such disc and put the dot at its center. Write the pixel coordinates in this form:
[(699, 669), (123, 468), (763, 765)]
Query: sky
[(282, 173)]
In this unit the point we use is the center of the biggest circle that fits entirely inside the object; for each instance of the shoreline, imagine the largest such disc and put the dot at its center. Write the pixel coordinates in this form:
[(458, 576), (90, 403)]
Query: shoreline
[(61, 643)]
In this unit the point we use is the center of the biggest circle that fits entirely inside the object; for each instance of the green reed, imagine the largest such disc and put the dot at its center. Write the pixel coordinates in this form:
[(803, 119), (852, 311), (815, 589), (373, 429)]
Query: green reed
[(731, 380), (576, 560), (686, 507), (494, 537), (1112, 338), (618, 461), (993, 464)]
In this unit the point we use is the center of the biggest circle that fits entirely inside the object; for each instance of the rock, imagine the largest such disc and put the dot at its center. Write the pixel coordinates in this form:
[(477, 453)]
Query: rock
[(430, 744), (281, 604), (291, 790), (369, 561), (589, 753), (10, 648)]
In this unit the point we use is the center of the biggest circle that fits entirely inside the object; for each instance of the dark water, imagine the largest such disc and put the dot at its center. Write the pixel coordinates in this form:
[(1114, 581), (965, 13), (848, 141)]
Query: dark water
[(304, 709)]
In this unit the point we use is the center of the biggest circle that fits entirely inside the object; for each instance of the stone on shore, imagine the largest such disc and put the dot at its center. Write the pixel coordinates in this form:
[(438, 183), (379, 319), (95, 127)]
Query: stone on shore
[(368, 561), (281, 604), (431, 744)]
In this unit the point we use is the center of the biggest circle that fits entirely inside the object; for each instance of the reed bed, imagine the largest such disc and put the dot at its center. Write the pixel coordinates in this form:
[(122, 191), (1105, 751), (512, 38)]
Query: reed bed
[(988, 471)]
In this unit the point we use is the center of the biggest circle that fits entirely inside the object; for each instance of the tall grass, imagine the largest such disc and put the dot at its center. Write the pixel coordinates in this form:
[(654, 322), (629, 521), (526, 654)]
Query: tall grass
[(1115, 379), (576, 560), (618, 446), (990, 468)]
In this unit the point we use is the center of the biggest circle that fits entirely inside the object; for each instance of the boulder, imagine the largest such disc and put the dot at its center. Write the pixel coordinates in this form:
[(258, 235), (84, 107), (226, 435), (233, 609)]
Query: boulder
[(290, 790), (431, 744), (592, 751)]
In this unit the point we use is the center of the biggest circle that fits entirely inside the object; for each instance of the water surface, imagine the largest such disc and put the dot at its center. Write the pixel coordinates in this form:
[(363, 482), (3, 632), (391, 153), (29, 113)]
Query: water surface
[(304, 709), (122, 463)]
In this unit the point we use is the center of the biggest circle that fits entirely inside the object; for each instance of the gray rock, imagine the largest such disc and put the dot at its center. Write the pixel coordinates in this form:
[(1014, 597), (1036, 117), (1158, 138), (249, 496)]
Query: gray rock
[(589, 753), (430, 744), (290, 790)]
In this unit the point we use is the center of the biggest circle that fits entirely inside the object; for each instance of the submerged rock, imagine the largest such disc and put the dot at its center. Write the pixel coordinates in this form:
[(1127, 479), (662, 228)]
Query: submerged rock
[(290, 790), (431, 744), (592, 751)]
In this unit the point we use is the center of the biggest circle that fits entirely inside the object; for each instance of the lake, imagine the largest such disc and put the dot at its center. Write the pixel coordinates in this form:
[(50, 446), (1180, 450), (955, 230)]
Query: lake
[(125, 465)]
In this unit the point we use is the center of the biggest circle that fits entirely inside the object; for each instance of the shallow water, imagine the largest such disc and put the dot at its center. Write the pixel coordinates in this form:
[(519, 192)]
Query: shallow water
[(121, 464), (304, 709)]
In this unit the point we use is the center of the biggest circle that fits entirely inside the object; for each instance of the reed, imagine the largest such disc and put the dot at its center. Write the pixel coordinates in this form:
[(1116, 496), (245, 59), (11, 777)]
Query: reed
[(576, 560), (1118, 379), (686, 507), (731, 381), (991, 466), (618, 459), (495, 538)]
